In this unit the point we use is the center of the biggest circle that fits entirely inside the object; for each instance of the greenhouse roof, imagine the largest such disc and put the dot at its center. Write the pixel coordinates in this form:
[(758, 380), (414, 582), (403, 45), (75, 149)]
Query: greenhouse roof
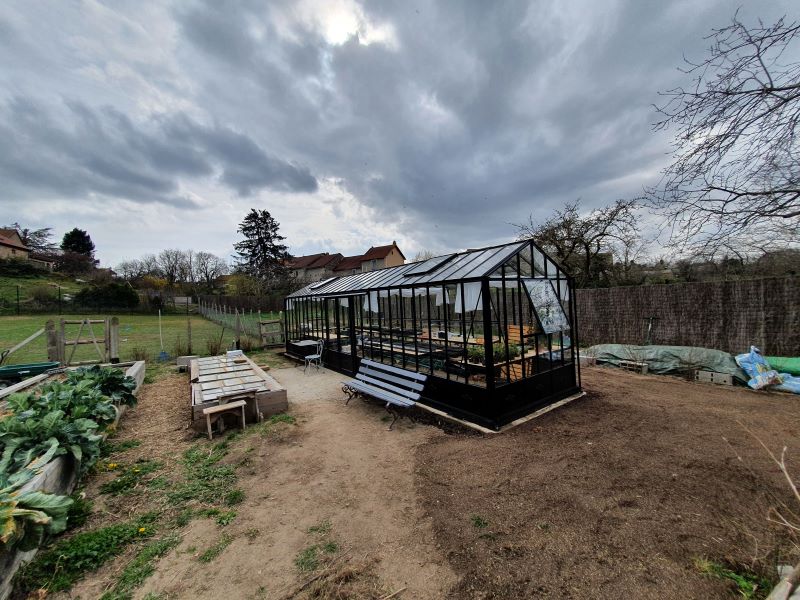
[(470, 264)]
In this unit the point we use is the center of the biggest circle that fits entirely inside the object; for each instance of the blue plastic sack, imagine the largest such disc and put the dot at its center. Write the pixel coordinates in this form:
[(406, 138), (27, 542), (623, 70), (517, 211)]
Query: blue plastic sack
[(762, 375)]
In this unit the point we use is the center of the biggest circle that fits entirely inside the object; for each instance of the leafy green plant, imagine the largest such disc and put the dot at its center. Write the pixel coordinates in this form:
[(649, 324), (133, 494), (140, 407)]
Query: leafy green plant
[(26, 517), (499, 351), (112, 383), (476, 354), (34, 431)]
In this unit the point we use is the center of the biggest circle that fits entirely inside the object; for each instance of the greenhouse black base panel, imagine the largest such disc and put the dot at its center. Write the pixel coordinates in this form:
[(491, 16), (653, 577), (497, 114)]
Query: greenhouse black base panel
[(508, 402), (491, 409)]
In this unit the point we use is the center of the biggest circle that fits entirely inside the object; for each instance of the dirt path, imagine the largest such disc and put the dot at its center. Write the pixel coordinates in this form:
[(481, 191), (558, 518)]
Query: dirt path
[(342, 467)]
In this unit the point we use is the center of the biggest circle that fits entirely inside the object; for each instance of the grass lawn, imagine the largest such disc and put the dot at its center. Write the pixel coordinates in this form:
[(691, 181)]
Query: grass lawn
[(138, 337), (51, 282)]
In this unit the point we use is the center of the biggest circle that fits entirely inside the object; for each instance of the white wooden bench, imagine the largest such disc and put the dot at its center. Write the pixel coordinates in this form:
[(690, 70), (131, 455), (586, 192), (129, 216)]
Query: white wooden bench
[(397, 387), (213, 413)]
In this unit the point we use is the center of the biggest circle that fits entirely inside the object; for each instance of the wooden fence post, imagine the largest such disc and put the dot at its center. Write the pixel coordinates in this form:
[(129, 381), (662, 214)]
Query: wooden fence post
[(52, 341), (113, 341)]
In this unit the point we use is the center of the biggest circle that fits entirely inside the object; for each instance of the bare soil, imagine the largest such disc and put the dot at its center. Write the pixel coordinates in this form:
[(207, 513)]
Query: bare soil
[(613, 495)]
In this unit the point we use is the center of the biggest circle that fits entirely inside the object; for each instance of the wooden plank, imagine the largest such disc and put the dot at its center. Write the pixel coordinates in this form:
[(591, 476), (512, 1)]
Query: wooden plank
[(382, 394), (388, 387), (389, 369), (27, 340), (398, 380), (25, 383), (81, 342), (223, 407), (91, 321)]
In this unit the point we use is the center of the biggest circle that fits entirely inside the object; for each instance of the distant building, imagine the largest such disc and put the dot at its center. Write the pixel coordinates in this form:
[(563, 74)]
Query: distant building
[(379, 257), (11, 245), (317, 267)]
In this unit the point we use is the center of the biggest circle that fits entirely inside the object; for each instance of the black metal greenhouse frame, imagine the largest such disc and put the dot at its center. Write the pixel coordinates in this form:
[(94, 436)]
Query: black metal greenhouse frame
[(512, 352)]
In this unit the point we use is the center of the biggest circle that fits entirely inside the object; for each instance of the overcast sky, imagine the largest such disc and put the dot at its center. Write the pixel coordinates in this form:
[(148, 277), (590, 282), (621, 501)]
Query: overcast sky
[(436, 124)]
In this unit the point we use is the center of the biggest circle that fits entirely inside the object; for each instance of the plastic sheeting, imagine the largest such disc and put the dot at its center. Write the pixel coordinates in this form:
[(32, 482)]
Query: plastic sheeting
[(669, 359), (785, 364)]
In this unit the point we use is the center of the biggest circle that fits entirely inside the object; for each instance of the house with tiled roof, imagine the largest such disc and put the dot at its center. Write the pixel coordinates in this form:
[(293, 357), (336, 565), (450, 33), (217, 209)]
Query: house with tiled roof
[(314, 267), (317, 267), (11, 245), (379, 257)]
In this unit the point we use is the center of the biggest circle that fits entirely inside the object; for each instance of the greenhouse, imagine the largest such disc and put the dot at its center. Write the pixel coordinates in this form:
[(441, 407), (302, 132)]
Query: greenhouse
[(493, 329)]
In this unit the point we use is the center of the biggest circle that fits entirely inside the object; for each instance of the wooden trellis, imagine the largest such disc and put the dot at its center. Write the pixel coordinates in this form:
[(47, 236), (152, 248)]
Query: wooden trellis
[(60, 349)]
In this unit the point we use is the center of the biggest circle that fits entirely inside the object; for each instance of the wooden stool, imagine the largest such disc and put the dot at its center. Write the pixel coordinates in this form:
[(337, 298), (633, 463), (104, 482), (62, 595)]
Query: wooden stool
[(213, 413)]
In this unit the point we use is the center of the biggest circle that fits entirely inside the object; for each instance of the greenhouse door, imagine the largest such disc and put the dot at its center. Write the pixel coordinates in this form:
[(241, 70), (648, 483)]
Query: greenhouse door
[(351, 319)]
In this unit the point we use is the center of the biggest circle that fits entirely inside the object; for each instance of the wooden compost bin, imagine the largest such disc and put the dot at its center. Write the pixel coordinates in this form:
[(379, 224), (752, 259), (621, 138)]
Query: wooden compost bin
[(59, 476)]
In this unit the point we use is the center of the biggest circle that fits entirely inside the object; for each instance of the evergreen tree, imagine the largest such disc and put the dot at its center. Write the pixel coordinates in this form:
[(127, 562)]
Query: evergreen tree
[(261, 254), (78, 241)]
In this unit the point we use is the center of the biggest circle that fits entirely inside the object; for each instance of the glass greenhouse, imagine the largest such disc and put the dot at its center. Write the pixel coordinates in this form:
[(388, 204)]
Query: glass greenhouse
[(494, 329)]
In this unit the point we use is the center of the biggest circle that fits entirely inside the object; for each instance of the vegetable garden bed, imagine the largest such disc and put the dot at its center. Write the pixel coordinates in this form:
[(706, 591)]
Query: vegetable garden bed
[(49, 440)]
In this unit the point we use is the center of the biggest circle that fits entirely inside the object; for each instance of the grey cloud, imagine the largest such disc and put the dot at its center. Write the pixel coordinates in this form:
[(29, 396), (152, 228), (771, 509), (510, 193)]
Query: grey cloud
[(76, 150), (480, 114)]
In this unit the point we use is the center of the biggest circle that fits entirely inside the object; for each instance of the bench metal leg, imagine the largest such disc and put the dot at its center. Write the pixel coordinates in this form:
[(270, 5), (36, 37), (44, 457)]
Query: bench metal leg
[(394, 415)]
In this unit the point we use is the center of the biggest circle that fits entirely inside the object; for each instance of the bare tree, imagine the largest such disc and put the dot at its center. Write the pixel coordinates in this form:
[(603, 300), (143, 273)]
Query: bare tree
[(422, 255), (150, 265), (584, 243), (131, 270), (735, 178), (208, 268), (170, 263)]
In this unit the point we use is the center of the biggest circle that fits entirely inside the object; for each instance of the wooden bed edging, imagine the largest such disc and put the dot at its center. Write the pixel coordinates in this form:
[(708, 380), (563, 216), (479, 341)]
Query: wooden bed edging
[(59, 476)]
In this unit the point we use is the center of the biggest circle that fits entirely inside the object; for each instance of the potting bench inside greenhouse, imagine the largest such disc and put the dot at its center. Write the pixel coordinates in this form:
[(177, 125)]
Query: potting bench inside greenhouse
[(492, 328)]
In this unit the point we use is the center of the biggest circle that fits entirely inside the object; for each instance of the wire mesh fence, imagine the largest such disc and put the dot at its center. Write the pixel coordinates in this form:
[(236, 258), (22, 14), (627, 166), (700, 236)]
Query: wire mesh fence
[(241, 320)]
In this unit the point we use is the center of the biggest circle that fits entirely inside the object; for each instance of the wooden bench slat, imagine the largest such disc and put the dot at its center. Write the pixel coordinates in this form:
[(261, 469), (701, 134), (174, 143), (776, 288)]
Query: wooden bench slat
[(382, 394), (397, 371), (222, 407), (411, 395), (398, 380)]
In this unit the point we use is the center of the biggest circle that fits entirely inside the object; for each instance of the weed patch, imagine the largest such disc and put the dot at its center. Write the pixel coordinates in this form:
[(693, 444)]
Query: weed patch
[(323, 528), (206, 481), (110, 447), (748, 584), (308, 559), (129, 478), (79, 511), (215, 550), (140, 568), (67, 561), (479, 522)]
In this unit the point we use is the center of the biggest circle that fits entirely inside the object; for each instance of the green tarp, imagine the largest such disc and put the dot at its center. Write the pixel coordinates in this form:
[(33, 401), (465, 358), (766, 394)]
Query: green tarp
[(785, 364), (669, 359)]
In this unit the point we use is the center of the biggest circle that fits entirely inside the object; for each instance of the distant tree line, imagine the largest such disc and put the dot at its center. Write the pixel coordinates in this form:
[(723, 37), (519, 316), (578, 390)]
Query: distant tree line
[(177, 271)]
